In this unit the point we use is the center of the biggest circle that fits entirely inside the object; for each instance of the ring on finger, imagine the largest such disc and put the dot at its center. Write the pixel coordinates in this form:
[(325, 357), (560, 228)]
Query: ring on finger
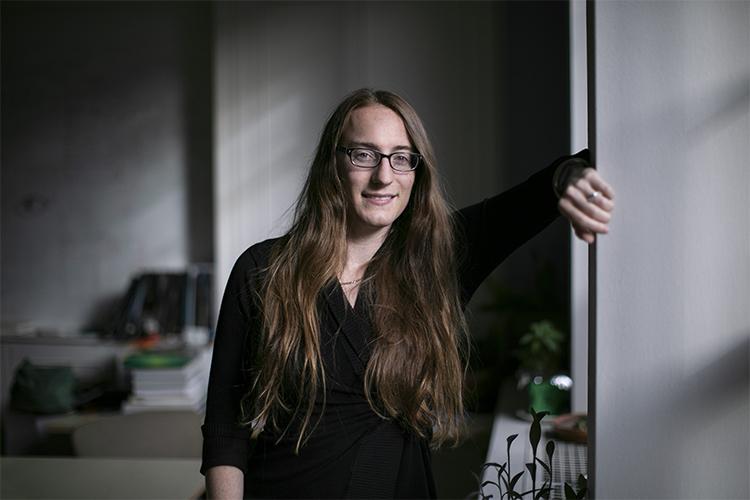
[(593, 194)]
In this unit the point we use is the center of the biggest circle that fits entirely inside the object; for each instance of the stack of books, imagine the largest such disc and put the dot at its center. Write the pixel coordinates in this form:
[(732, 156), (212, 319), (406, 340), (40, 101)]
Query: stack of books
[(171, 380)]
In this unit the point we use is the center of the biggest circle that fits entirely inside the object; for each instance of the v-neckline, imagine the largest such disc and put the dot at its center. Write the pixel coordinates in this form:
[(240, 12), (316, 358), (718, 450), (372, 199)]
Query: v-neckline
[(352, 322), (350, 306), (361, 293)]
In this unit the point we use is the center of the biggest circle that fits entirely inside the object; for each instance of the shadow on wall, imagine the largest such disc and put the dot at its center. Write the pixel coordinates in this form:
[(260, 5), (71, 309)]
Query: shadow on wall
[(708, 401), (726, 103), (716, 388)]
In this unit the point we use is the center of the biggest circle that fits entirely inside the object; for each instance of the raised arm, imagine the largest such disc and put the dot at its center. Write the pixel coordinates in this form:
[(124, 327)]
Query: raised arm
[(492, 229)]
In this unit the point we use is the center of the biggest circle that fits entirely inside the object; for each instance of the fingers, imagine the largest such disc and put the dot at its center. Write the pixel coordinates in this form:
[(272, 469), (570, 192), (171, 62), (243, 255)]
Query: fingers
[(598, 184), (597, 208), (588, 214), (587, 237), (591, 181), (579, 219)]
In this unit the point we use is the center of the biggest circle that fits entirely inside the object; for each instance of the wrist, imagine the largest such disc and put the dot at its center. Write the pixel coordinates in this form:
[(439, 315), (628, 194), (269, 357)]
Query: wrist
[(565, 173)]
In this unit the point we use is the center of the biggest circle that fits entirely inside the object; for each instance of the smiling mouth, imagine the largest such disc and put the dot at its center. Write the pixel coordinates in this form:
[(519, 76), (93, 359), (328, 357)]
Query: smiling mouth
[(378, 200), (378, 196)]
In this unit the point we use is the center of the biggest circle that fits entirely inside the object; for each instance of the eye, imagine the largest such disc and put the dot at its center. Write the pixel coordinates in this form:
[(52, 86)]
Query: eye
[(401, 158), (363, 155)]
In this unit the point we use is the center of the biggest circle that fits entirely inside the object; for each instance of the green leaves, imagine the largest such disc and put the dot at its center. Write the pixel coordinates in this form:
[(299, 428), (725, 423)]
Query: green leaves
[(544, 492), (509, 482), (550, 449), (571, 494), (510, 440), (540, 348), (583, 486), (535, 433), (547, 468), (513, 481), (532, 468)]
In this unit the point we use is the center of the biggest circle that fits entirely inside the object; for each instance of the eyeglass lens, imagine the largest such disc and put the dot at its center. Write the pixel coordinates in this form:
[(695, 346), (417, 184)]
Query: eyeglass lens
[(369, 158)]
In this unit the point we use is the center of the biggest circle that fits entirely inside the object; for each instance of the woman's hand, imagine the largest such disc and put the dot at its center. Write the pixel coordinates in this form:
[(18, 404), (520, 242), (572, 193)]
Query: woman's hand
[(587, 202)]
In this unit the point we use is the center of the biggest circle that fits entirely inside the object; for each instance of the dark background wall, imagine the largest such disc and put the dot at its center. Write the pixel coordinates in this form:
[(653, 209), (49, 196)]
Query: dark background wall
[(108, 121), (142, 135), (489, 79), (106, 152), (537, 129)]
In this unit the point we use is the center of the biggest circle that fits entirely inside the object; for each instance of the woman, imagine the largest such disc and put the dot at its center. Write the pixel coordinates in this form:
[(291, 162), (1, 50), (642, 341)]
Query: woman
[(338, 357)]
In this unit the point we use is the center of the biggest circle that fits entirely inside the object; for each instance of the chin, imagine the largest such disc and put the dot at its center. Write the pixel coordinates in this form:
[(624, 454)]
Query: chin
[(378, 223), (379, 220), (375, 217)]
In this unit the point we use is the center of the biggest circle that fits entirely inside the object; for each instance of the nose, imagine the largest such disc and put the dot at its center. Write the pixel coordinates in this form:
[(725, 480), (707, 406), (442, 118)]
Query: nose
[(383, 173)]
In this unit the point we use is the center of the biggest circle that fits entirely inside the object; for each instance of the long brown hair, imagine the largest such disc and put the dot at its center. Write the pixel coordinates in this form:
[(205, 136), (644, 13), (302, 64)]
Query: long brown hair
[(415, 373)]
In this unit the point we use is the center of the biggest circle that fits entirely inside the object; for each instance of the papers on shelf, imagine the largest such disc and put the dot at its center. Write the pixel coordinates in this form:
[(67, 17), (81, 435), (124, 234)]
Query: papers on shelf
[(175, 380)]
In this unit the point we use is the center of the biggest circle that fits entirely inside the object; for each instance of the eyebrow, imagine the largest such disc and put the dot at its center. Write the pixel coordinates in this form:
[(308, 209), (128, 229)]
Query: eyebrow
[(373, 146)]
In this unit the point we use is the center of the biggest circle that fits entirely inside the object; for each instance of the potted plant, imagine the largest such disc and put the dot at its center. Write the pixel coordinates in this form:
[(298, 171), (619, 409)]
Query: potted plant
[(512, 311), (507, 481), (540, 352)]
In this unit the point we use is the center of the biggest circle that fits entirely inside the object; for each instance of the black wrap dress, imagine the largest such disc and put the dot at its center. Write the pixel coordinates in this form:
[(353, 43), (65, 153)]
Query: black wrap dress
[(352, 453)]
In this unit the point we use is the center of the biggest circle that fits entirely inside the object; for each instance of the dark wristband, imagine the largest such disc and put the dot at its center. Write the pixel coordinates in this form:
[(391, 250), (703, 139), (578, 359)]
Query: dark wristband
[(568, 171)]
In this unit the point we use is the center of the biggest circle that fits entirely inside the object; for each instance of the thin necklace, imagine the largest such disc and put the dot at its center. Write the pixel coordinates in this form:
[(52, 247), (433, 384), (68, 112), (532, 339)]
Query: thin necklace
[(352, 282)]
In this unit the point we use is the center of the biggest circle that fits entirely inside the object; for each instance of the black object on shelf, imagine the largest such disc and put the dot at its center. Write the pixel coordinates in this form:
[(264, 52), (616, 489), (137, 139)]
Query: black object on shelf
[(164, 303)]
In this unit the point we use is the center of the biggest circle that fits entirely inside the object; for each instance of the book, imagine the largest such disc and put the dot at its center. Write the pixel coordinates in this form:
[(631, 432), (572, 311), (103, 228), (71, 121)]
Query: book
[(168, 379)]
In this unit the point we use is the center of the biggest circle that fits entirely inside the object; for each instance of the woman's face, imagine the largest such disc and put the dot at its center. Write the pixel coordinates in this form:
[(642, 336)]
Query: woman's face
[(378, 195)]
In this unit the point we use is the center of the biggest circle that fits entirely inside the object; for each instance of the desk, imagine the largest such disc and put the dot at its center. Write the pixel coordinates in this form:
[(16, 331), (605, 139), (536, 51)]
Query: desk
[(100, 478)]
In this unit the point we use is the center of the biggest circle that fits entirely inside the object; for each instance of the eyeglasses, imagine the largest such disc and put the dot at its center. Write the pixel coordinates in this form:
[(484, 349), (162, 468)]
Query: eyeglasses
[(401, 161)]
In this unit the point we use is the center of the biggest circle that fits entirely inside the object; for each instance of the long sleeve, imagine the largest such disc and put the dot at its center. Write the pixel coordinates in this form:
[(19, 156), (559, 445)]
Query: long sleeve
[(224, 441), (492, 229)]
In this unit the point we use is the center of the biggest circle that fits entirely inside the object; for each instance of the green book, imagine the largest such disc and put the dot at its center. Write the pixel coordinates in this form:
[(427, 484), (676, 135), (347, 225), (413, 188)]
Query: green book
[(147, 359)]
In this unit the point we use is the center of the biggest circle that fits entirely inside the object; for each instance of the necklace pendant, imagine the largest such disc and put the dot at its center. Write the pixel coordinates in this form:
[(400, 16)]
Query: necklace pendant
[(352, 282)]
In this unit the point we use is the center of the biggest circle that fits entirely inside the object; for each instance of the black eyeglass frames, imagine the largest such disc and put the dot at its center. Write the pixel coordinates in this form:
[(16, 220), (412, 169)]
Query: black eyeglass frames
[(401, 161)]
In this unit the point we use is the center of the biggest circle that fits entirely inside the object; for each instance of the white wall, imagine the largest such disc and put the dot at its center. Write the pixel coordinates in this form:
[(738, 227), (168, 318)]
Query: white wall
[(672, 287)]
